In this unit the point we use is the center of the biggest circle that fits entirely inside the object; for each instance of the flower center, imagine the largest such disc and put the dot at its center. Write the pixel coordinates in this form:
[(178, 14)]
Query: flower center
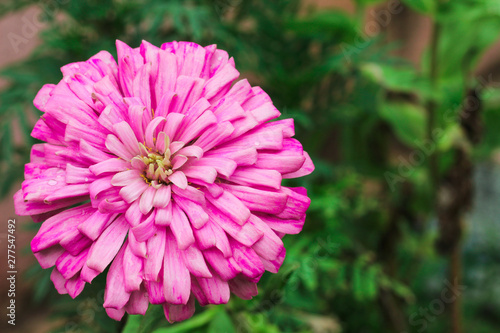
[(155, 165)]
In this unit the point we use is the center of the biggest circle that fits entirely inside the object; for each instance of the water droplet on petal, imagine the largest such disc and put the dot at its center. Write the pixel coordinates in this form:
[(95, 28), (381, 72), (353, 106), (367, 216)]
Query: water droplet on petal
[(86, 179), (256, 143), (52, 182)]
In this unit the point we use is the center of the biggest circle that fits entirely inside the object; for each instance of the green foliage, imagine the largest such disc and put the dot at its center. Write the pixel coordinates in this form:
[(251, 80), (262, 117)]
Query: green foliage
[(422, 6), (408, 120), (359, 112)]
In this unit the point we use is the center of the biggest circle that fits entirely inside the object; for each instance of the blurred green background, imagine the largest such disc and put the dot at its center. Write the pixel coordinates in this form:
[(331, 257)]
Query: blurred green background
[(398, 104)]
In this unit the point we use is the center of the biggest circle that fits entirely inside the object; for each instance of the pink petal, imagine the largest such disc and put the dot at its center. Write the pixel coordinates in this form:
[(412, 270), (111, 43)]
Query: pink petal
[(146, 228), (247, 260), (256, 177), (74, 286), (225, 76), (132, 267), (227, 268), (133, 214), (215, 289), (178, 161), (141, 87), (138, 303), (223, 166), (258, 200), (195, 263), (162, 197), (76, 175), (69, 265), (155, 291), (232, 207), (214, 136), (240, 155), (108, 244), (196, 214), (296, 205), (179, 312), (191, 151), (137, 248), (306, 168), (190, 193), (115, 314), (167, 73), (134, 190), (181, 228), (48, 257), (163, 216), (270, 245), (150, 131), (58, 226), (243, 288), (212, 235), (75, 242), (43, 96), (127, 137), (155, 249), (93, 226), (274, 265), (172, 124), (176, 278), (116, 147), (115, 295), (179, 179), (287, 226), (146, 201), (58, 281)]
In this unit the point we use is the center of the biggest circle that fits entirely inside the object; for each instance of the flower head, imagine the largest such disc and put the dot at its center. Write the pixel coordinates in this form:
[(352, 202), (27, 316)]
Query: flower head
[(162, 167)]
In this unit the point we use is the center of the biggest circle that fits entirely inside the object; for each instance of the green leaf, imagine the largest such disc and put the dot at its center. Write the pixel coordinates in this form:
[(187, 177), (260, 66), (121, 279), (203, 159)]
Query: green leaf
[(396, 78), (195, 322), (422, 6), (153, 318), (133, 324), (407, 120), (368, 2), (325, 25), (357, 281), (371, 285), (308, 272), (221, 323)]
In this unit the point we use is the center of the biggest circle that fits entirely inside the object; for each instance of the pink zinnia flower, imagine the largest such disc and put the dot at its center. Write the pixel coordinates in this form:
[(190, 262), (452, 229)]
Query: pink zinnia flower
[(162, 167)]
